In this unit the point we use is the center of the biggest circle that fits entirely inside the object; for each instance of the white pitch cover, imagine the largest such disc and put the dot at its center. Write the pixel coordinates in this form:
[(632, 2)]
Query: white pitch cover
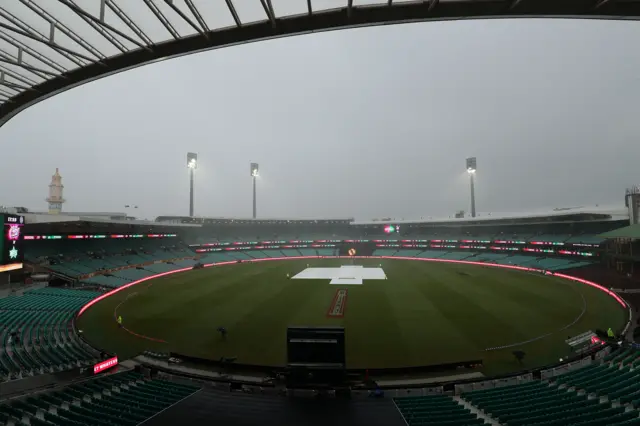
[(344, 275)]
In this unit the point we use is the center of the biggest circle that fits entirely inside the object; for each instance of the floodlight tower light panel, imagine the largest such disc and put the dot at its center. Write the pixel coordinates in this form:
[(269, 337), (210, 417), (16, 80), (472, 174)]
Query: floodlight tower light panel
[(192, 160), (471, 165), (255, 170)]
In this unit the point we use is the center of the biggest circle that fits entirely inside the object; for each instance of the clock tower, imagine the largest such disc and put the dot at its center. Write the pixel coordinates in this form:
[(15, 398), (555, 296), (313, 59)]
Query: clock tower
[(55, 199)]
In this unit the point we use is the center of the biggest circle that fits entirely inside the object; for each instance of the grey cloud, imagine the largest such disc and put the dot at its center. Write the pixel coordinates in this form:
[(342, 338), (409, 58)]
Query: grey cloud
[(368, 123)]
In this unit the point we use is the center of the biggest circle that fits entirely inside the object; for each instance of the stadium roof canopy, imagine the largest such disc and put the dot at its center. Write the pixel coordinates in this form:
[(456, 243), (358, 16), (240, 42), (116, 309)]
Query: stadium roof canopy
[(577, 214), (48, 46), (631, 231), (35, 218)]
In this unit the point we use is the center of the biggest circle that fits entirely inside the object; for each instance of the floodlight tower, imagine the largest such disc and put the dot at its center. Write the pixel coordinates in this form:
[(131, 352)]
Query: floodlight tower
[(254, 174), (192, 165), (471, 170)]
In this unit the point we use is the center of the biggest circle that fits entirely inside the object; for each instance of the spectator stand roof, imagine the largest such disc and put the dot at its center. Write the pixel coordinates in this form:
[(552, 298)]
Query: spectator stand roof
[(631, 232), (92, 219), (86, 227), (595, 213), (49, 46)]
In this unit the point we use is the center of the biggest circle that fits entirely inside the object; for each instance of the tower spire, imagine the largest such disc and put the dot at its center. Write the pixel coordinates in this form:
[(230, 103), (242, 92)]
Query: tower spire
[(55, 198)]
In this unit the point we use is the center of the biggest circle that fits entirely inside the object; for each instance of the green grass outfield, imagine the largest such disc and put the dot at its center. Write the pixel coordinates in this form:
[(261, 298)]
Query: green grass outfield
[(424, 313)]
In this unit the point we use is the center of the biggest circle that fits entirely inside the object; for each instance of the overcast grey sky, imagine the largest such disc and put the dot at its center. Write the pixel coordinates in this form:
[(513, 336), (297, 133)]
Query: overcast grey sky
[(364, 123)]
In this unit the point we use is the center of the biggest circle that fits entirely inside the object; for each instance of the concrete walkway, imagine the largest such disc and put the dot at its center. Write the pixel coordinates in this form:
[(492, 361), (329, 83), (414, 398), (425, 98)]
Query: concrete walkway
[(476, 410)]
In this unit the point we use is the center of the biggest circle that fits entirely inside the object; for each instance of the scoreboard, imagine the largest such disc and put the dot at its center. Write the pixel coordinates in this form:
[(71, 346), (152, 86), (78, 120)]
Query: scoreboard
[(11, 246), (391, 229)]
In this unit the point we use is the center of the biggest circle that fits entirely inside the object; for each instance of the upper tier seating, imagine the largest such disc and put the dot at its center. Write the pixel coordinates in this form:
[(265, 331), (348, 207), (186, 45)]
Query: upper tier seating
[(550, 264), (75, 258), (554, 238), (585, 238)]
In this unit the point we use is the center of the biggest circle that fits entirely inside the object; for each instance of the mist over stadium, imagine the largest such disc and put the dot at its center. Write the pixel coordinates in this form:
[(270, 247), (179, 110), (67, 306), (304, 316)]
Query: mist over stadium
[(324, 212)]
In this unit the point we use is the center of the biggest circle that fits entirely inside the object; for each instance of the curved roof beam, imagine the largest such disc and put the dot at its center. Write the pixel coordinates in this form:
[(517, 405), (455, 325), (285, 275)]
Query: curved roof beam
[(35, 64)]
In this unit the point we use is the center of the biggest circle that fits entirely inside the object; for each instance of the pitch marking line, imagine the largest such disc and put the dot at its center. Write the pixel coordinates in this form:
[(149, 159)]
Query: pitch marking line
[(578, 318), (133, 333), (338, 304)]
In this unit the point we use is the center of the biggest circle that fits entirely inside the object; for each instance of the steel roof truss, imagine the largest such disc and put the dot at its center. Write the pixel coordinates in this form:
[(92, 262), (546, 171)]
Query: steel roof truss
[(34, 53), (99, 29), (163, 19), (196, 13), (17, 75), (185, 17), (79, 11), (7, 58), (26, 30), (268, 9), (64, 29), (5, 93), (129, 23), (234, 13), (11, 85)]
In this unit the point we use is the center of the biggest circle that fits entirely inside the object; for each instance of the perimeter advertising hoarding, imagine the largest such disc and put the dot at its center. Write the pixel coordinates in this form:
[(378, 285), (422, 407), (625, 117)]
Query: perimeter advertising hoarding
[(105, 365), (11, 246)]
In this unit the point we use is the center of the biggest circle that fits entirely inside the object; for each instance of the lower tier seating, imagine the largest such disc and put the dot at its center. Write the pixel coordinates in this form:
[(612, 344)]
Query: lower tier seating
[(113, 400), (539, 403), (36, 332), (435, 410)]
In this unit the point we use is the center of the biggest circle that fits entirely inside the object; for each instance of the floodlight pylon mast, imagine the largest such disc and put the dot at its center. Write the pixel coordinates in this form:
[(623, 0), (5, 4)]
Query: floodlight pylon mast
[(191, 179), (192, 165), (473, 194), (254, 175), (255, 208), (471, 170)]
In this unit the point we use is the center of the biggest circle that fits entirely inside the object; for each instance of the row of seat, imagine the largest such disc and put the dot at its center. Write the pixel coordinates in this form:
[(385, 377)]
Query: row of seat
[(76, 257), (617, 378), (550, 264), (230, 256), (435, 410), (125, 399), (82, 265), (36, 332), (139, 270), (126, 276), (539, 403), (564, 238)]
